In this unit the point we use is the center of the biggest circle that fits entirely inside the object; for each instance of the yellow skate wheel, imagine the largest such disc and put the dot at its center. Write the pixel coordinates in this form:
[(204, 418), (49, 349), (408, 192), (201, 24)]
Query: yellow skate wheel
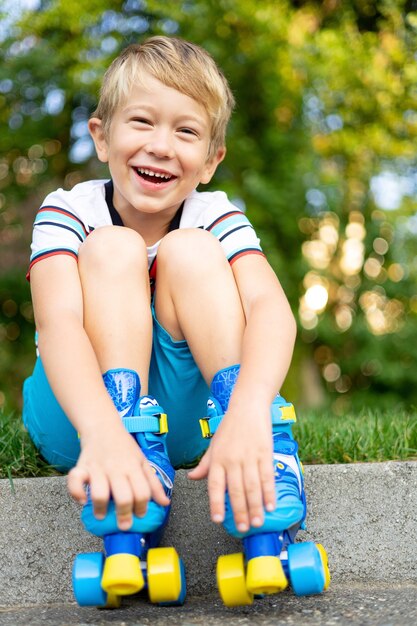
[(231, 580), (164, 575), (325, 562), (122, 575), (265, 575)]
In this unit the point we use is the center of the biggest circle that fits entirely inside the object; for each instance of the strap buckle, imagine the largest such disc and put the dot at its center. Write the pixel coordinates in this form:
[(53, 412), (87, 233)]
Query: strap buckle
[(283, 413), (209, 425), (163, 423)]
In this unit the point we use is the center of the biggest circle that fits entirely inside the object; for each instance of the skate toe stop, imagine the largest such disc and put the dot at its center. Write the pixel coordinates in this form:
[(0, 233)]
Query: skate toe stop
[(122, 575), (265, 575)]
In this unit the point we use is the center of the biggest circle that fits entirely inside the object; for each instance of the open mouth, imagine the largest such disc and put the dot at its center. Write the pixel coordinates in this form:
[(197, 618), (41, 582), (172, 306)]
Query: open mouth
[(154, 177)]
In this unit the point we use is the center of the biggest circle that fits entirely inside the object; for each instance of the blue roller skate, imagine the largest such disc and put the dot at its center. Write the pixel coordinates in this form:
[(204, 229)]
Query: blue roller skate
[(270, 558), (131, 560)]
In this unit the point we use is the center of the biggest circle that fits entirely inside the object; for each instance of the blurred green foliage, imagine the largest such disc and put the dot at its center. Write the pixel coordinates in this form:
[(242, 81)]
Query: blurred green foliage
[(321, 152), (16, 336)]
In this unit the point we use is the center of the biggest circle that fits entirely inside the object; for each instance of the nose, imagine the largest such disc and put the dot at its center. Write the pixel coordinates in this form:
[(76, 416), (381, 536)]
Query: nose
[(160, 143)]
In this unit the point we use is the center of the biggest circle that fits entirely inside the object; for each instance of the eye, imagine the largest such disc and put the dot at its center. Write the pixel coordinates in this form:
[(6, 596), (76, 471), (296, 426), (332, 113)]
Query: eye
[(141, 120), (188, 131)]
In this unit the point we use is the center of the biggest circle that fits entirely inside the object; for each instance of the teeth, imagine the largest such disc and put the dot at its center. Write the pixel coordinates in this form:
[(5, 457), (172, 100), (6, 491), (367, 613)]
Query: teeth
[(142, 170)]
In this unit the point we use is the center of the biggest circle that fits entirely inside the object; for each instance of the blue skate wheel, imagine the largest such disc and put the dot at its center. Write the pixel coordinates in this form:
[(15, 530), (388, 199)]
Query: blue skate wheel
[(306, 569), (86, 579), (183, 593)]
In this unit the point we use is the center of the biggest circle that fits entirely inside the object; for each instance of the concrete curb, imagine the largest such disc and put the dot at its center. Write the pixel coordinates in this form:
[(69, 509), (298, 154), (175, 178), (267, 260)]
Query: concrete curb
[(364, 514)]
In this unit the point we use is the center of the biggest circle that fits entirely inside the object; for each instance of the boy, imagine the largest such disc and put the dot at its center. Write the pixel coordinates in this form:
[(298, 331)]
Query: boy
[(102, 309)]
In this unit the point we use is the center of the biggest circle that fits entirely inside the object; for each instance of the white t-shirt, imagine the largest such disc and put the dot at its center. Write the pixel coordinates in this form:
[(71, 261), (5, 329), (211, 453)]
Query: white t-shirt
[(66, 218)]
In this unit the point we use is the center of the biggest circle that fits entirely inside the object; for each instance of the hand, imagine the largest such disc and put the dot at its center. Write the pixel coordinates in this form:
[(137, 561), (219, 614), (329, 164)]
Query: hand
[(239, 459), (113, 464)]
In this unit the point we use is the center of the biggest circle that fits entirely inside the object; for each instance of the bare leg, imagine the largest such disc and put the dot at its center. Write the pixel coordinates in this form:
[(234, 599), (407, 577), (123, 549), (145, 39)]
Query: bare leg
[(197, 299), (113, 268)]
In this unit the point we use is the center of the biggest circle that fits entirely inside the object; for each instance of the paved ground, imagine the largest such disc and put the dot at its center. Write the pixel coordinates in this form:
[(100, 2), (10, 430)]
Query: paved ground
[(341, 605), (364, 515)]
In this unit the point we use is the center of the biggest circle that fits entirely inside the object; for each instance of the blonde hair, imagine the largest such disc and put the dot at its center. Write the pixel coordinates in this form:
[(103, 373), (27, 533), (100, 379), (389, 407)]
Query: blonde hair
[(178, 64)]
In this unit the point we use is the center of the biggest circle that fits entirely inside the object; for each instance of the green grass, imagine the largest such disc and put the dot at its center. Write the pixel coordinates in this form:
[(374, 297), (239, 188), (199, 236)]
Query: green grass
[(18, 456), (363, 437), (323, 438)]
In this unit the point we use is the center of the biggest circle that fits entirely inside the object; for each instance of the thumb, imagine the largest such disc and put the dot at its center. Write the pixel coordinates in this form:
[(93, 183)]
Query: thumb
[(202, 469)]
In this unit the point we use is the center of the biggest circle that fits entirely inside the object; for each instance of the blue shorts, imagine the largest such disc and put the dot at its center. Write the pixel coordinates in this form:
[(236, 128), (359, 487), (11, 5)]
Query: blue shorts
[(174, 380)]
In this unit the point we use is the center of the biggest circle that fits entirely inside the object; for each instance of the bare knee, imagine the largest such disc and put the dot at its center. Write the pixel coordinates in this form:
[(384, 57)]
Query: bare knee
[(192, 250), (113, 249)]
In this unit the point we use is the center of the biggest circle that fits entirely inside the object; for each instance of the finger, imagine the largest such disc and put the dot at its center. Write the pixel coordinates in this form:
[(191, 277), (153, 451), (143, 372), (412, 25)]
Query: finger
[(253, 493), (202, 469), (100, 494), (141, 495), (266, 471), (217, 490), (235, 488), (122, 495), (76, 480), (157, 491)]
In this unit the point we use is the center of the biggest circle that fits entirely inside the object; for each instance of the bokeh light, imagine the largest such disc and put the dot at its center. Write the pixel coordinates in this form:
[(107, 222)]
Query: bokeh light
[(316, 298)]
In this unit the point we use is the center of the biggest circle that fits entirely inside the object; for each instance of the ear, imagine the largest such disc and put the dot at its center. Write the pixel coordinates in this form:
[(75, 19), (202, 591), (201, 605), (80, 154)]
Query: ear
[(211, 165), (95, 126)]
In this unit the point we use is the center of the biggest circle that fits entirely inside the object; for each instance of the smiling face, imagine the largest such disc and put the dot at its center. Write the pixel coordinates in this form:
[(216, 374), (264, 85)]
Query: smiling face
[(156, 149)]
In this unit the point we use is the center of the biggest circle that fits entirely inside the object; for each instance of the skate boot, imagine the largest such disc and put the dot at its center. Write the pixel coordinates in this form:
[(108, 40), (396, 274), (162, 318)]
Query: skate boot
[(131, 560), (270, 558)]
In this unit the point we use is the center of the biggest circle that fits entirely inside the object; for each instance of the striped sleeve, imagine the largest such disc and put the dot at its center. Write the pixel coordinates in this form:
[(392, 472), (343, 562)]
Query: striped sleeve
[(57, 230), (235, 233)]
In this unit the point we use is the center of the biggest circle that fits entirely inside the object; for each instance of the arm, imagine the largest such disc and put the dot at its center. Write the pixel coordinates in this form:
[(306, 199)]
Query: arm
[(110, 460), (240, 453), (269, 337)]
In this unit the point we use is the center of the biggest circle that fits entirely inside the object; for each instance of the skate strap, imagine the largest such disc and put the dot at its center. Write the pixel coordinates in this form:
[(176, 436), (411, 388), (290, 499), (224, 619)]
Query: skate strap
[(156, 423), (282, 413), (279, 414)]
